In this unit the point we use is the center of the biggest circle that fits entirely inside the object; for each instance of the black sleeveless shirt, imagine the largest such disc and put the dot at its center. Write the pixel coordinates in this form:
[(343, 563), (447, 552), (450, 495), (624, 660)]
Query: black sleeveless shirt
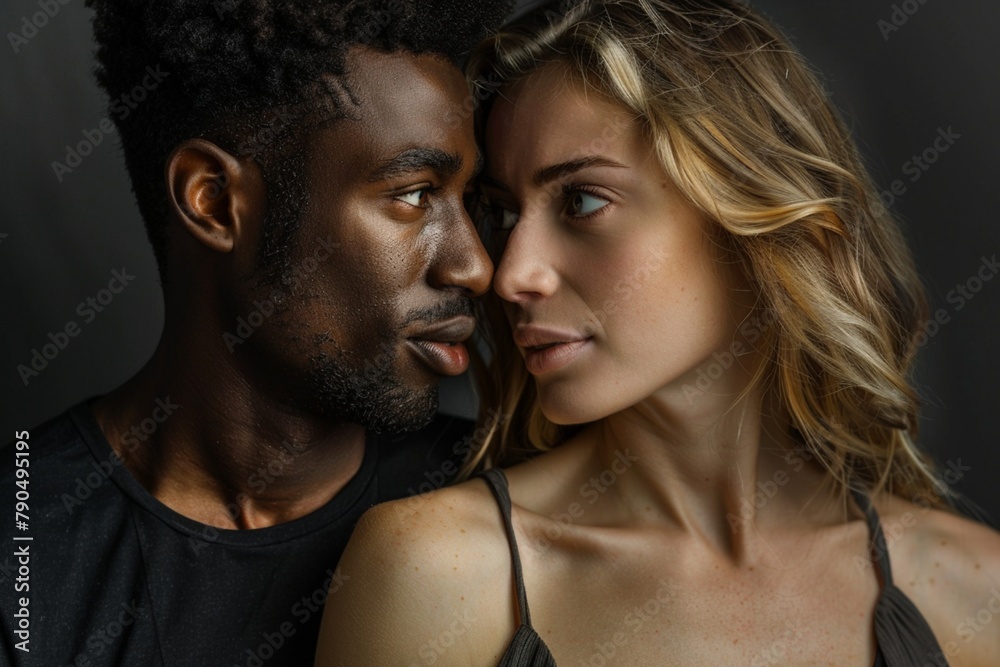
[(902, 636)]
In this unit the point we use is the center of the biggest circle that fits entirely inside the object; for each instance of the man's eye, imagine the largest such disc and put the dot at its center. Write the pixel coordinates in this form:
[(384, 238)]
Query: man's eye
[(416, 198), (582, 204)]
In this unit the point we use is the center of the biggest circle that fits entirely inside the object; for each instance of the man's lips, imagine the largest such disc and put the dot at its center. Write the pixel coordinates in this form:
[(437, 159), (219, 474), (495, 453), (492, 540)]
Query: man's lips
[(452, 330), (440, 347), (547, 348)]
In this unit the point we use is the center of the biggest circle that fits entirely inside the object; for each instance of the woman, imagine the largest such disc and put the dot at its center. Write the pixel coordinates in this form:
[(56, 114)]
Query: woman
[(707, 323)]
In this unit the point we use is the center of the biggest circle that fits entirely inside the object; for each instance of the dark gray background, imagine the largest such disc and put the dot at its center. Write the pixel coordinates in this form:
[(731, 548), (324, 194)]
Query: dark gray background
[(59, 241)]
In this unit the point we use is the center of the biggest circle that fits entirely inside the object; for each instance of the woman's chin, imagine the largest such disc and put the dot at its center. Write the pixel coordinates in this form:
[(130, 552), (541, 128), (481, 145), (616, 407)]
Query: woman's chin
[(569, 412)]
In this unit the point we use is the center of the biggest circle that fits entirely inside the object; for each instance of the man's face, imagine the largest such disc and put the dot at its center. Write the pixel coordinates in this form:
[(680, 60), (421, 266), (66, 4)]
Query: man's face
[(385, 251)]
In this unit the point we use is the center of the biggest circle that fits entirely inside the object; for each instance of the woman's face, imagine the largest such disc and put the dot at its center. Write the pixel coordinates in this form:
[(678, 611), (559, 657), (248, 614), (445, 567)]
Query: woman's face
[(602, 254)]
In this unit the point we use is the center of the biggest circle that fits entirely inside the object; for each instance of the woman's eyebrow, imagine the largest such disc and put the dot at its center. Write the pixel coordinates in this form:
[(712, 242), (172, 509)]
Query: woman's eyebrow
[(556, 171)]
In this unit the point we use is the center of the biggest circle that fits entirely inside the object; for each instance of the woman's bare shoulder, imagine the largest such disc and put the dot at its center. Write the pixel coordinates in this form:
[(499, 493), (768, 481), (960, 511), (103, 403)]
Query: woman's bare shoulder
[(425, 578), (949, 566), (928, 536), (460, 515), (452, 537)]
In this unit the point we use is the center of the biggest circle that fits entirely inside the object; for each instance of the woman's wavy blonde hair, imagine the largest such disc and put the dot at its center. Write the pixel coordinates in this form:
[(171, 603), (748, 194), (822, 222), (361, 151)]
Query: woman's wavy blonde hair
[(748, 135)]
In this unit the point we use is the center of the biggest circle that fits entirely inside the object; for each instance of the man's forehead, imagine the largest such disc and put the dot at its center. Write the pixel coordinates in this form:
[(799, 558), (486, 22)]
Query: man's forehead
[(405, 110), (375, 77)]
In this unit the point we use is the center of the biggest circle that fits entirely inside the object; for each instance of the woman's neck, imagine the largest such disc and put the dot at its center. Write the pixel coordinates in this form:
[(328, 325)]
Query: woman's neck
[(723, 468)]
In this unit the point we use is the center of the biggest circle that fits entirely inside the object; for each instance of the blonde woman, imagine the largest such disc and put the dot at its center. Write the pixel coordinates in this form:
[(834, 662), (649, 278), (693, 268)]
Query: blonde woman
[(705, 319)]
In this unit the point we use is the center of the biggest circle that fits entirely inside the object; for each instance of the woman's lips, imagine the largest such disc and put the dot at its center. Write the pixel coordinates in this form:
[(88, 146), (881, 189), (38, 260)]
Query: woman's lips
[(551, 358)]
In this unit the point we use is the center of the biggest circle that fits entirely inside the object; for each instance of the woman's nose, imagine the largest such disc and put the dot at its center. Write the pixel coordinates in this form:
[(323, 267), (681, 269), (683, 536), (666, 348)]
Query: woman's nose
[(526, 269)]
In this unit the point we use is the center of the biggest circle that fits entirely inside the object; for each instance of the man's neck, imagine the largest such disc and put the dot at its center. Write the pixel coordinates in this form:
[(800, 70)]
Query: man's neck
[(204, 441)]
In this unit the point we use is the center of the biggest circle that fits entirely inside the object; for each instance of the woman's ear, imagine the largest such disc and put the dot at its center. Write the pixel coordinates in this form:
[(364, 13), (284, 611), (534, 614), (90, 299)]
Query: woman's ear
[(212, 193)]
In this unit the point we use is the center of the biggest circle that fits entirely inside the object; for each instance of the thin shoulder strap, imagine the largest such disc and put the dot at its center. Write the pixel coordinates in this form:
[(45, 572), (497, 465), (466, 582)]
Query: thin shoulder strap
[(497, 481), (877, 545)]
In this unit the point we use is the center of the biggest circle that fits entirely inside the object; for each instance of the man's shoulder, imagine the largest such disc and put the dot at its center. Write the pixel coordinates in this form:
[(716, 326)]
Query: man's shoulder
[(55, 468), (54, 444)]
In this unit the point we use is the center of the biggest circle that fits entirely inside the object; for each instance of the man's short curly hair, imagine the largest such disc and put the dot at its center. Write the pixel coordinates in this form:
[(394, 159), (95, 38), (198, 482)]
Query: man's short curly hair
[(235, 71)]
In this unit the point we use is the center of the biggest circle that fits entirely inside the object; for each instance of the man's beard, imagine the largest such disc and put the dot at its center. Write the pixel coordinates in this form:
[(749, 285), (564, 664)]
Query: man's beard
[(344, 385), (366, 389), (369, 393)]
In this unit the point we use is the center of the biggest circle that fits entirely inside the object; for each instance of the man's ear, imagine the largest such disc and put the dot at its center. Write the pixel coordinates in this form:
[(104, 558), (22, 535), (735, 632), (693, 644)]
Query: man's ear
[(213, 193)]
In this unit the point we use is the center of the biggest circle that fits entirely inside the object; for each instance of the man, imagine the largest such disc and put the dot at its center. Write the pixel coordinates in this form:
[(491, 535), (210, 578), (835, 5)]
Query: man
[(300, 167)]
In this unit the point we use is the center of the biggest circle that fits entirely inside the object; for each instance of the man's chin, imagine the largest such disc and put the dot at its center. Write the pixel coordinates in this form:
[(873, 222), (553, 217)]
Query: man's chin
[(390, 410), (410, 413), (376, 396)]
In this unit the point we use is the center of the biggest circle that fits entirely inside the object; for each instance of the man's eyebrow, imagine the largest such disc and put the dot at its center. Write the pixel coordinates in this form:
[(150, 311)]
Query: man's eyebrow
[(557, 171), (417, 159)]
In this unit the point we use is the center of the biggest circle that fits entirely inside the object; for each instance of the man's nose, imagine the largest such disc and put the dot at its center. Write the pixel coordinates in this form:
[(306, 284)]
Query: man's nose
[(463, 261)]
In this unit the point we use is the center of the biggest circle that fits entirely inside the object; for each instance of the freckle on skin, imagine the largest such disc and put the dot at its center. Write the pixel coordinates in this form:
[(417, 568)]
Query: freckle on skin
[(462, 529)]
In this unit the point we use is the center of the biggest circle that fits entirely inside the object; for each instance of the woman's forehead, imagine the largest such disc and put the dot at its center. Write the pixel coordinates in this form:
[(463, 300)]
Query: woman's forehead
[(551, 117)]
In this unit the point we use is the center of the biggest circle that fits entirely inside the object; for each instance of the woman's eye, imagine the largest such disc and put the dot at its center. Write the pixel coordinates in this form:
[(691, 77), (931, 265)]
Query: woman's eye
[(582, 204), (508, 218), (500, 218), (416, 198)]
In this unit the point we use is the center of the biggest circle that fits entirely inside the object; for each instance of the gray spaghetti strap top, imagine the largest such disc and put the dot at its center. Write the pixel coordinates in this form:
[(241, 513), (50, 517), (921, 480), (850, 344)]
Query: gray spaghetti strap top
[(902, 636)]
